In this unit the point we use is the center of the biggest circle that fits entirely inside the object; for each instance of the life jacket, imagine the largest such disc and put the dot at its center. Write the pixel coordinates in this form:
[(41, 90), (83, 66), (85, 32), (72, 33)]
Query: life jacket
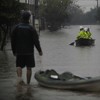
[(82, 34), (89, 34)]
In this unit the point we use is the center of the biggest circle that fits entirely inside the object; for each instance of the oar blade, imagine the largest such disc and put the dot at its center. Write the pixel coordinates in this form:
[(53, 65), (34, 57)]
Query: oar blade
[(72, 43)]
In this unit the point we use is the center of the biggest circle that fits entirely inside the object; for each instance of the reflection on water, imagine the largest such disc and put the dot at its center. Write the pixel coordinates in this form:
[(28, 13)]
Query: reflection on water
[(24, 93), (61, 56), (7, 66), (58, 55)]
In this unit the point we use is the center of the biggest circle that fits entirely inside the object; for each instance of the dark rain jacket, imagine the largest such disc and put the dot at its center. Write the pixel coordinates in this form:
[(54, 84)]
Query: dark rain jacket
[(24, 38)]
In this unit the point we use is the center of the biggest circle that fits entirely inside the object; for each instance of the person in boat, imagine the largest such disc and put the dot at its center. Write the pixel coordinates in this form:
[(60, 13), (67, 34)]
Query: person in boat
[(87, 30), (82, 34), (23, 40)]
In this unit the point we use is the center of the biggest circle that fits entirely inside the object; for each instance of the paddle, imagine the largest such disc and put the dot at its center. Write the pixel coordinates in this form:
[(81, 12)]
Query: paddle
[(72, 43)]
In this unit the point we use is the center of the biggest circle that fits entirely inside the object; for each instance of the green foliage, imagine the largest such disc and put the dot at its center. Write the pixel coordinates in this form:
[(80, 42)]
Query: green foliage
[(78, 16), (9, 15), (55, 12), (98, 14), (9, 10)]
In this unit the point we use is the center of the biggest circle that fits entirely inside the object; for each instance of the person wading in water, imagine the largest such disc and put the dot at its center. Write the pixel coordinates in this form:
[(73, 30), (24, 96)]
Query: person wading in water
[(23, 39)]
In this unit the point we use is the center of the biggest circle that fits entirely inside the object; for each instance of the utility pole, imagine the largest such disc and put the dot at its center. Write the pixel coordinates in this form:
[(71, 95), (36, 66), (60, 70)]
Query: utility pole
[(26, 1), (36, 17), (97, 4), (97, 11), (36, 8)]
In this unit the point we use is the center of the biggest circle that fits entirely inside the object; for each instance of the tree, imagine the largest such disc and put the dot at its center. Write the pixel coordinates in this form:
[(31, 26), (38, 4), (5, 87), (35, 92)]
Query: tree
[(9, 14), (98, 14), (9, 11), (78, 16), (75, 13), (55, 12)]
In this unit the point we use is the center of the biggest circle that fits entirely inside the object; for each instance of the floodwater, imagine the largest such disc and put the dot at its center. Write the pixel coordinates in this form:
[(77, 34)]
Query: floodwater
[(58, 55)]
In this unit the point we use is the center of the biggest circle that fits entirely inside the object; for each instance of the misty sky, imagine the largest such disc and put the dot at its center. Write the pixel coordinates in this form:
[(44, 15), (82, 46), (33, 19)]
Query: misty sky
[(86, 5)]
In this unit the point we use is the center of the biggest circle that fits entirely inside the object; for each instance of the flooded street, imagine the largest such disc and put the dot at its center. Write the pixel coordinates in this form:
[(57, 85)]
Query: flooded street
[(58, 55)]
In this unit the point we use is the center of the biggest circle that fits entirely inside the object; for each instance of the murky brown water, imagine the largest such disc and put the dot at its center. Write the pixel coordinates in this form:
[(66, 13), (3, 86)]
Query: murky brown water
[(58, 55)]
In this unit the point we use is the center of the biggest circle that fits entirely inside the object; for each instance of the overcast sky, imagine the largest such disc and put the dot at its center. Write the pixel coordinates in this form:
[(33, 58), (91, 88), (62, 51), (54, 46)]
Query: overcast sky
[(86, 5)]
